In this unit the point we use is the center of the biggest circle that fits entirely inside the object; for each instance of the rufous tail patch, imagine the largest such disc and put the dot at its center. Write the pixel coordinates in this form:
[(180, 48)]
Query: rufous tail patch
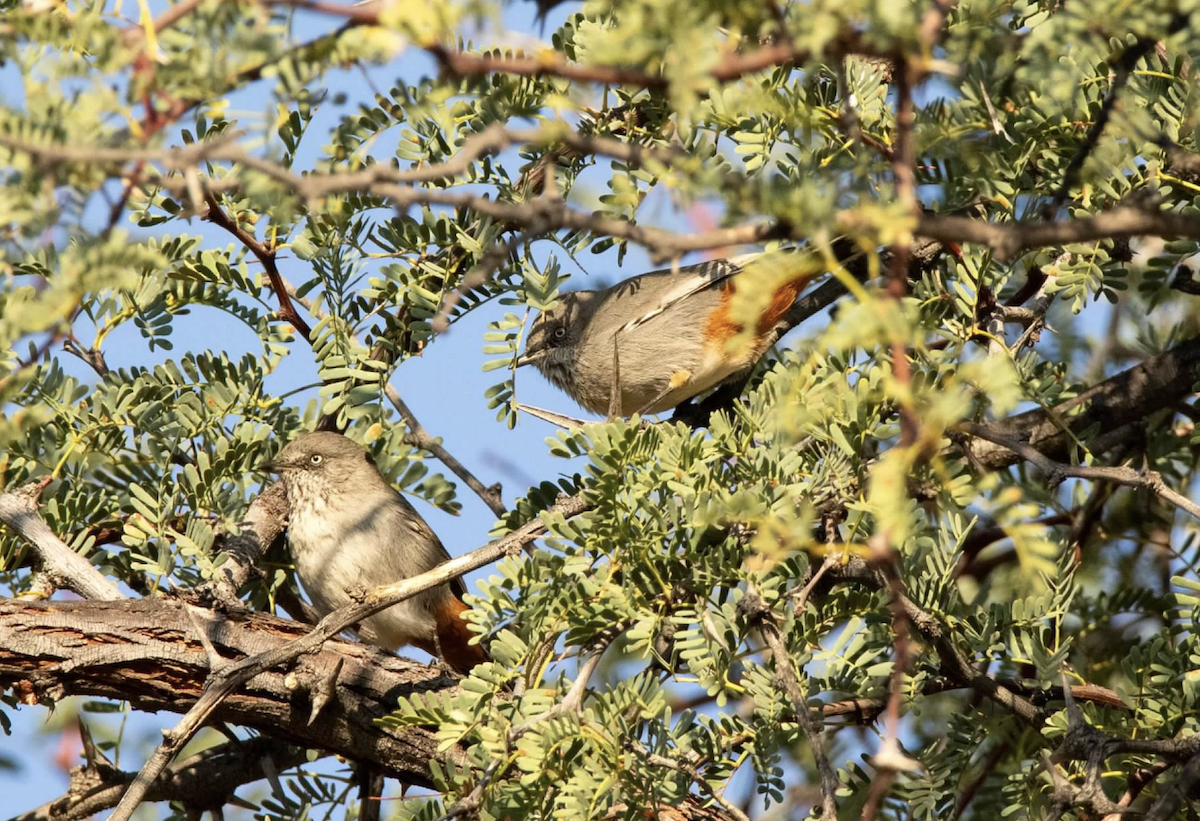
[(720, 327), (454, 637)]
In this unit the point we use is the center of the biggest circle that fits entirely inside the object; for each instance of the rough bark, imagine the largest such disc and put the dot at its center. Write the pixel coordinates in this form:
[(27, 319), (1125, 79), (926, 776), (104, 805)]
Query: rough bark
[(148, 652), (1107, 407)]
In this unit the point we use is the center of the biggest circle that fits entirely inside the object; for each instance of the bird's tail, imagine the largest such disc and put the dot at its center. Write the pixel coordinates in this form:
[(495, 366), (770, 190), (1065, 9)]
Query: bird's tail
[(454, 637)]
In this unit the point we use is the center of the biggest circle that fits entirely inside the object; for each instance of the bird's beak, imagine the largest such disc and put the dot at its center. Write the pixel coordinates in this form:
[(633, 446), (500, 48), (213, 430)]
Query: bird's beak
[(271, 466), (531, 357)]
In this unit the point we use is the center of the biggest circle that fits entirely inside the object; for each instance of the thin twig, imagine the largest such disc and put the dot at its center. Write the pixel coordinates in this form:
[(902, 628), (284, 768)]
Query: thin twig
[(201, 779), (692, 772), (788, 678), (418, 437), (1057, 471), (729, 69), (266, 255), (571, 702), (1122, 69)]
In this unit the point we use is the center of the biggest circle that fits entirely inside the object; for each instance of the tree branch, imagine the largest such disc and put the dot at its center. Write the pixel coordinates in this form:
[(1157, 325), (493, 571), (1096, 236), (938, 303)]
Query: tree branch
[(145, 651), (266, 255), (1005, 238), (19, 510), (1108, 407), (789, 680), (1121, 71), (418, 437), (1057, 471), (1008, 239), (206, 779), (1177, 794), (265, 521), (732, 67)]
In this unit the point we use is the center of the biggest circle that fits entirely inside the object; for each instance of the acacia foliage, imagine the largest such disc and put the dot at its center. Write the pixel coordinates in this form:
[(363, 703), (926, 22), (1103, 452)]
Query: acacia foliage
[(1023, 111)]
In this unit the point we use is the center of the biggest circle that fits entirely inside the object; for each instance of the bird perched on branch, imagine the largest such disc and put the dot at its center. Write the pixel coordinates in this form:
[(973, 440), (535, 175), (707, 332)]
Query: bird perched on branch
[(348, 529), (653, 341)]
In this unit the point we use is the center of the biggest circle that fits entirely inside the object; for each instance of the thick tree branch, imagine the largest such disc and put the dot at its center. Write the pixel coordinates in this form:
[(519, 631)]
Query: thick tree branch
[(1108, 407), (145, 651), (1057, 471), (266, 519), (66, 568), (1010, 238), (206, 779)]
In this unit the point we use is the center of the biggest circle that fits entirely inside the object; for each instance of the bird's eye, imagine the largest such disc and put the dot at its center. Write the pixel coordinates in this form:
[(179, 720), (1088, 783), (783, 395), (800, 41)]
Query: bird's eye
[(559, 332), (316, 459)]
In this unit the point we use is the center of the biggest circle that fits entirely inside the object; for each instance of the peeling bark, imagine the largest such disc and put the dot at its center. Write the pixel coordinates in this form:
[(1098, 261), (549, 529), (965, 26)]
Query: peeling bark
[(147, 652)]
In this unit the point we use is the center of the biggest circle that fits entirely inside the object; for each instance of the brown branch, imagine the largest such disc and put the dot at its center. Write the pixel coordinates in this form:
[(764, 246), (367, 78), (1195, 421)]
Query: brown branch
[(418, 437), (1007, 239), (987, 768), (492, 140), (889, 759), (1137, 781), (955, 665), (135, 34), (732, 67), (865, 710), (206, 779), (1057, 471), (266, 255), (1121, 70), (788, 679), (145, 651), (903, 160), (265, 521), (1176, 795), (66, 568), (1110, 407)]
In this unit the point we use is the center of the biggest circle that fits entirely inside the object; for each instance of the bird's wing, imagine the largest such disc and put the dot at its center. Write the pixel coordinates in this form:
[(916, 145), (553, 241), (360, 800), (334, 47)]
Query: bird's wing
[(681, 283), (424, 538)]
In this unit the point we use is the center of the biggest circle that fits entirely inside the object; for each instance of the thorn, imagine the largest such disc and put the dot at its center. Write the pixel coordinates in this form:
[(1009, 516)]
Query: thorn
[(324, 692)]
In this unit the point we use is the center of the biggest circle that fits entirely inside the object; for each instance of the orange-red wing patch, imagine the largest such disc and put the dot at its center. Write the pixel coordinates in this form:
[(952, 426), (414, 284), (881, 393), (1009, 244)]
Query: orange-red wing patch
[(720, 327)]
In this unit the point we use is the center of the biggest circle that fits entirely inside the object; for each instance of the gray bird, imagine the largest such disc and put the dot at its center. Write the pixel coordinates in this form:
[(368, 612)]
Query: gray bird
[(661, 337), (349, 529)]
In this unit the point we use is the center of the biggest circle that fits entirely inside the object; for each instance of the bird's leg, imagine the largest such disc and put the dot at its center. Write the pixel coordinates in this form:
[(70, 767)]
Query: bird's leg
[(438, 654)]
